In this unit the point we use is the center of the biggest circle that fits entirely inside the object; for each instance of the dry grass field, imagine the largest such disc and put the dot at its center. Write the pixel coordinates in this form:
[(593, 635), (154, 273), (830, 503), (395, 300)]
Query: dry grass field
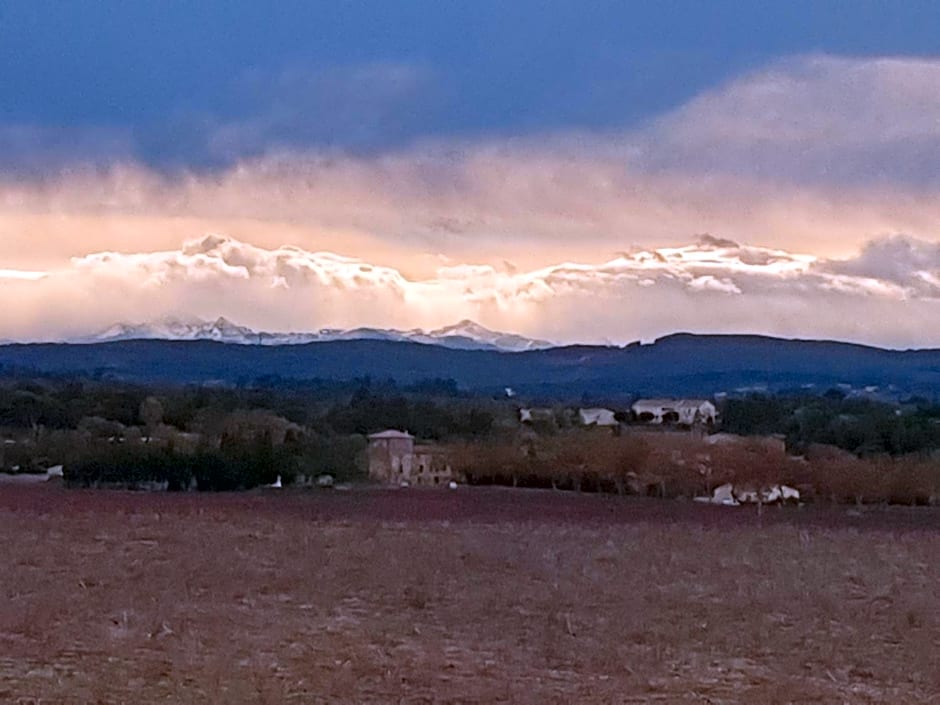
[(473, 596)]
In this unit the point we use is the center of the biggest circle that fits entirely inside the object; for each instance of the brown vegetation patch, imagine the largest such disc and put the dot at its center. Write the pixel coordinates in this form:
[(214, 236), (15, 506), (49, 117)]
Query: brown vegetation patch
[(677, 464), (473, 596)]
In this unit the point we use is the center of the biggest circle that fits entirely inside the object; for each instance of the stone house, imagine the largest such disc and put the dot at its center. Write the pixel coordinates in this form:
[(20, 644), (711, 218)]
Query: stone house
[(395, 458)]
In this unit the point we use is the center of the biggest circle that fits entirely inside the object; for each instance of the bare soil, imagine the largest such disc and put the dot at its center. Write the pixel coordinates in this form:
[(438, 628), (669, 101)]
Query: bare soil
[(467, 596)]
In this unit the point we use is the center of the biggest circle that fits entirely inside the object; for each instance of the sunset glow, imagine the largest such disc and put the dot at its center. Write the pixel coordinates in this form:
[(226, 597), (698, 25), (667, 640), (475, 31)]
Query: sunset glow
[(798, 198)]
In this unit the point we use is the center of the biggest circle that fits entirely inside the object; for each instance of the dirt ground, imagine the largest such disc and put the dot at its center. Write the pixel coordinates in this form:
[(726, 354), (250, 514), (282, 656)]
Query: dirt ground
[(467, 596)]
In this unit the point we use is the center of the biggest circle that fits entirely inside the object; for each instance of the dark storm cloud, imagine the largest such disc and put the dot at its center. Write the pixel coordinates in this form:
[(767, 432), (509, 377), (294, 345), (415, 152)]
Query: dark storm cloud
[(196, 84)]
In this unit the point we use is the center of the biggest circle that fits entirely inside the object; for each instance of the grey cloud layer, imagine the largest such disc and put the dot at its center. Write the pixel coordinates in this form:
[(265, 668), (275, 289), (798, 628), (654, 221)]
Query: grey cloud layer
[(829, 119), (820, 118), (913, 266)]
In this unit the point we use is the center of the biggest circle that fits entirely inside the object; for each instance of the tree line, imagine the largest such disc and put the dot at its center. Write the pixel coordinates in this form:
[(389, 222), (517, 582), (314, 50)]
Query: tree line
[(107, 432), (433, 409), (864, 427)]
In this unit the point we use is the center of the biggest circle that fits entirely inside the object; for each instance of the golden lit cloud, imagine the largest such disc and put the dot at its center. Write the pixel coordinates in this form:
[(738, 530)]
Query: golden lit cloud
[(710, 285)]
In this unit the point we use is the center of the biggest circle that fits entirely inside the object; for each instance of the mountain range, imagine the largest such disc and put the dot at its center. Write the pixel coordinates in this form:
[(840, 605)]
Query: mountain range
[(465, 335), (677, 365)]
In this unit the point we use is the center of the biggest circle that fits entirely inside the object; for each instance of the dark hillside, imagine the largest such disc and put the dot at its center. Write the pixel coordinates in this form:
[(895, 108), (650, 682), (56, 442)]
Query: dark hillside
[(680, 364)]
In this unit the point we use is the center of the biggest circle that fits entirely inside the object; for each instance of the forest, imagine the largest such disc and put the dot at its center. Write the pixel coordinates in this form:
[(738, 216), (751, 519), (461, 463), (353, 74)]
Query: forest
[(237, 437), (221, 437), (862, 426)]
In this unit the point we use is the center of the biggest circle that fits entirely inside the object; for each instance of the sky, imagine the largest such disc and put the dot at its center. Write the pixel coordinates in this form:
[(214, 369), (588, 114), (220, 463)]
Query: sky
[(591, 172)]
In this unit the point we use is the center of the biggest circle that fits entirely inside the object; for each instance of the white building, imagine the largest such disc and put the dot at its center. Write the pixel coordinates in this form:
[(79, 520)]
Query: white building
[(533, 415), (683, 411), (596, 417)]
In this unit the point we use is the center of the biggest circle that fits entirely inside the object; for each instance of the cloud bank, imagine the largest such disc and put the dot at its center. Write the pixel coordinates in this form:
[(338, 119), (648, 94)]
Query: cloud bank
[(711, 285)]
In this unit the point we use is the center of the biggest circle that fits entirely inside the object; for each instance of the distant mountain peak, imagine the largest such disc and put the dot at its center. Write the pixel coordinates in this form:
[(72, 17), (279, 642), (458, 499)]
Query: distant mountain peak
[(464, 327), (476, 332)]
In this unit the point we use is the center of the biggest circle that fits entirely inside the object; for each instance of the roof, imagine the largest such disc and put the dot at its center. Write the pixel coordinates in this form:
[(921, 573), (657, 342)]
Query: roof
[(655, 402), (691, 403), (390, 434), (671, 403)]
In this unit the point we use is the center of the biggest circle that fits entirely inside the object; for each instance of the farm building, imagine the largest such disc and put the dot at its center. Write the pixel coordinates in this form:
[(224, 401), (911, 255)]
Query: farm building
[(596, 417), (684, 411), (395, 458)]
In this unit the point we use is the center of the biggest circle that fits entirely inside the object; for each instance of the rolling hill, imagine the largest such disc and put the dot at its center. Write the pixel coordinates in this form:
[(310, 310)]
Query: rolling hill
[(680, 364)]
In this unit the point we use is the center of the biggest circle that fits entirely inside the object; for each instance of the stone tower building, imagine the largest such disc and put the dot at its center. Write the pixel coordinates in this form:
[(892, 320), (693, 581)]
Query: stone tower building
[(395, 458)]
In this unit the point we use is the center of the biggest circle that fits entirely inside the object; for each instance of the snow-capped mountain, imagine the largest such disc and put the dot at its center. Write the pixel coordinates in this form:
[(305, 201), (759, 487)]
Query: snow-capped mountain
[(470, 331), (465, 335), (221, 330)]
